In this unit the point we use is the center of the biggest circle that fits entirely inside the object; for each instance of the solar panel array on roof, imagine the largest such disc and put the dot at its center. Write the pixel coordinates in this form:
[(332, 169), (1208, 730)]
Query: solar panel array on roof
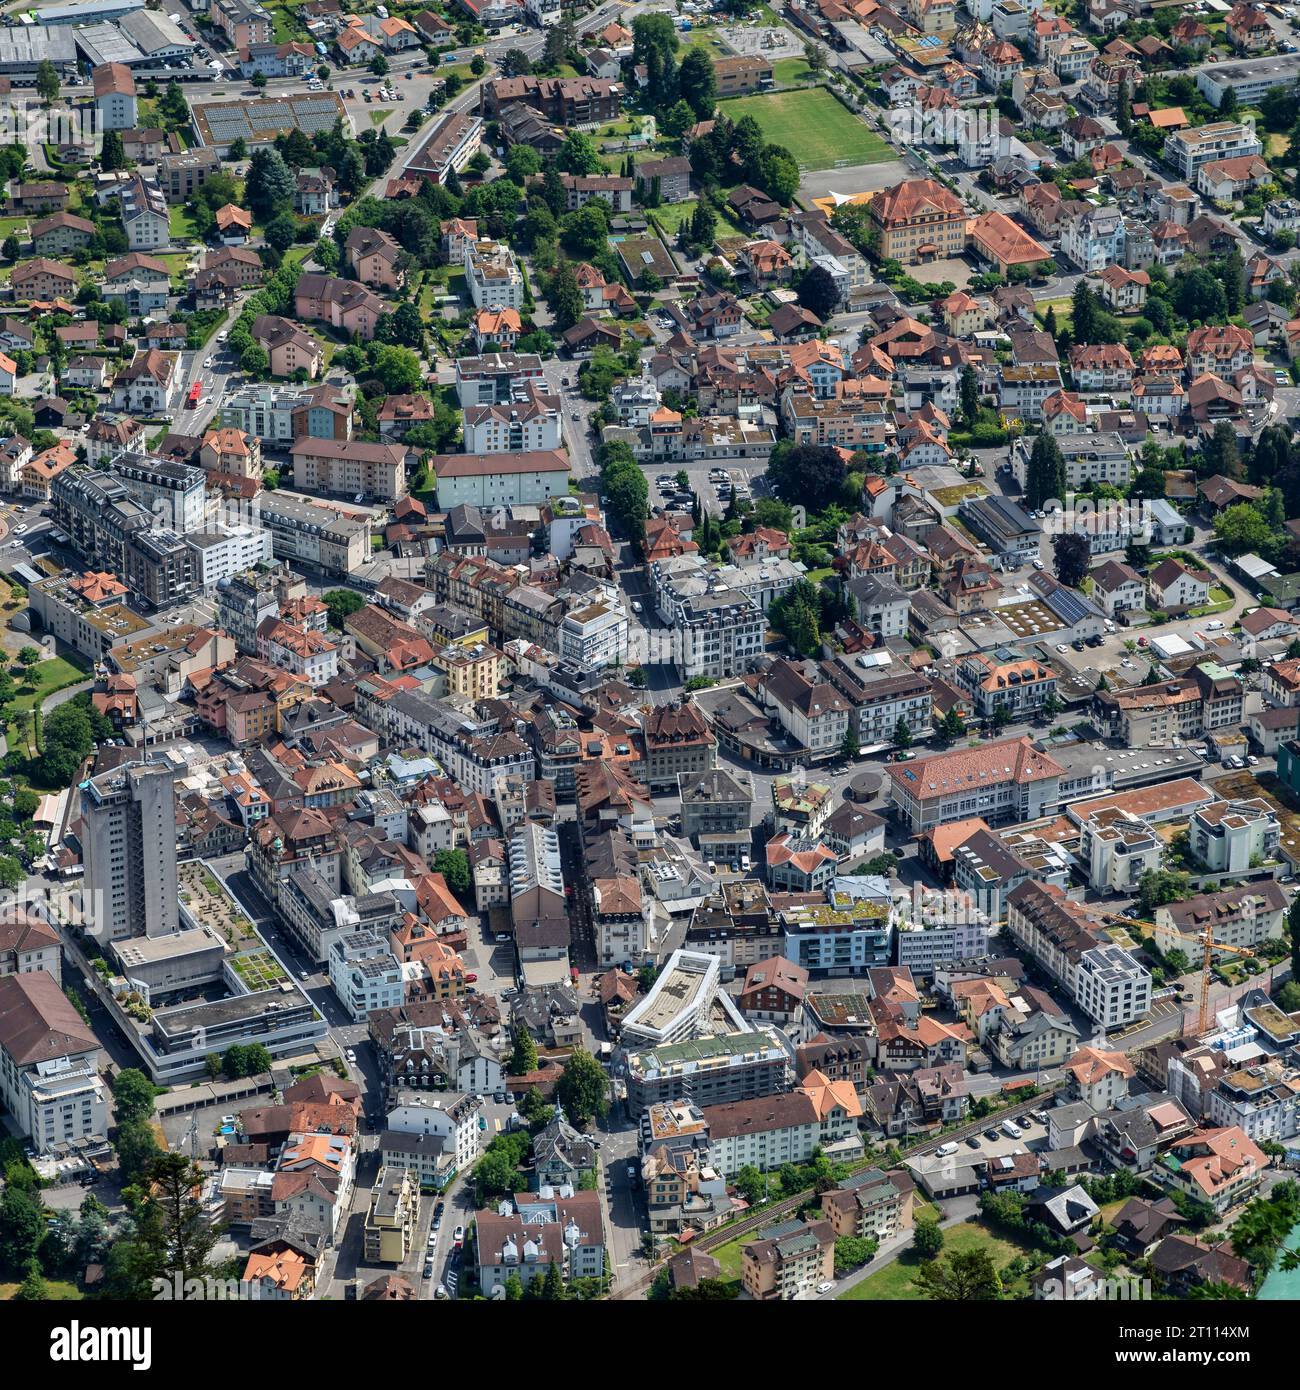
[(1067, 605)]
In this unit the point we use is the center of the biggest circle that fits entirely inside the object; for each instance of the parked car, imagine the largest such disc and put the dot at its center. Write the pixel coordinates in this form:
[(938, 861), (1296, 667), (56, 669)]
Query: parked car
[(458, 1237)]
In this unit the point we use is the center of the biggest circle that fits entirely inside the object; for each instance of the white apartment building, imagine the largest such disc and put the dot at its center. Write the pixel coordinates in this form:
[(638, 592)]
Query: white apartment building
[(226, 551), (453, 1118), (1117, 848), (513, 427), (1233, 836), (1111, 987), (49, 1082), (364, 974), (594, 636), (1188, 150), (493, 276)]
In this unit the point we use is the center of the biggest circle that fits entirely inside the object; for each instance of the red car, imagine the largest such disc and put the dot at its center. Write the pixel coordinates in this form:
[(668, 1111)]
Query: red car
[(471, 978)]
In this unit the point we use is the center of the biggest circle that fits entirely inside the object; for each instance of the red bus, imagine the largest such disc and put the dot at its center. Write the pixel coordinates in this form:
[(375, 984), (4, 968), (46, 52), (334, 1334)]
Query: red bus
[(196, 394)]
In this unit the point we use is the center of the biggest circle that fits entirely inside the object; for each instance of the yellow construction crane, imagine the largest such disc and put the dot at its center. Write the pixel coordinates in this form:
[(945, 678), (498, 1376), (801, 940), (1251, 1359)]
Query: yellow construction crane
[(1205, 939)]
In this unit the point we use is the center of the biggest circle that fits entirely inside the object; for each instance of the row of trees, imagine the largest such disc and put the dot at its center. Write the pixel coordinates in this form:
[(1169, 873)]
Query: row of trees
[(624, 486)]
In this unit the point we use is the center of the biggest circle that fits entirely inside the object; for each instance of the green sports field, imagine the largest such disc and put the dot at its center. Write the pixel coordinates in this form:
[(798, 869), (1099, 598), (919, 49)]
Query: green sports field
[(814, 127)]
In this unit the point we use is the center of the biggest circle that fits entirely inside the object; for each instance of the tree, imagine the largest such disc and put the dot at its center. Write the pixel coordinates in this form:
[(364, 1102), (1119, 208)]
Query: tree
[(927, 1239), (797, 616), (1045, 476), (47, 81), (966, 1276), (1124, 109), (751, 1184), (453, 865), (1071, 551), (697, 83), (951, 725), (902, 734), (133, 1096), (564, 296), (1243, 529), (778, 174), (553, 1284), (112, 155), (817, 292), (582, 1087), (281, 231), (516, 63), (1157, 887), (970, 395), (677, 119), (270, 186), (852, 1252), (555, 48), (523, 1056), (176, 1235), (703, 225), (340, 603), (478, 65), (11, 248), (808, 474), (814, 55), (1084, 314), (22, 1227), (1234, 276), (850, 747), (514, 1288), (254, 360), (379, 65), (136, 1149), (1219, 453), (578, 154), (522, 162)]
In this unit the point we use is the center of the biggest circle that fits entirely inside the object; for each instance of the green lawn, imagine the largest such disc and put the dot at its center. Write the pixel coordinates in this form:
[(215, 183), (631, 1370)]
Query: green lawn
[(180, 224), (728, 1256), (51, 675), (789, 71), (671, 216), (814, 127), (55, 1290), (288, 28), (893, 1284)]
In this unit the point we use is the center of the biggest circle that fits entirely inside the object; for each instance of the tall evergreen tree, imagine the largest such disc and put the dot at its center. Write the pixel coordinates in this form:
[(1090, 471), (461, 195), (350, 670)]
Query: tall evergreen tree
[(1045, 476)]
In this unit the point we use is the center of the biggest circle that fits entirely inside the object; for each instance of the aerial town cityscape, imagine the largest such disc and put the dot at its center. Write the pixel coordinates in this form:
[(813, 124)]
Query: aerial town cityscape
[(651, 653)]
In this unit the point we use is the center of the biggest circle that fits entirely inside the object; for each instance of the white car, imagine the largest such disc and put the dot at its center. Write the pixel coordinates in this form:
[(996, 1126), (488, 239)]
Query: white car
[(826, 1286), (1061, 647), (1038, 564), (207, 362), (222, 336), (18, 530), (637, 607), (1215, 626)]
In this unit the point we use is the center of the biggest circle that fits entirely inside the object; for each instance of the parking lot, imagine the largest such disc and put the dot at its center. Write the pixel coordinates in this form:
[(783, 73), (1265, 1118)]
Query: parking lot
[(712, 483), (1033, 1136)]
